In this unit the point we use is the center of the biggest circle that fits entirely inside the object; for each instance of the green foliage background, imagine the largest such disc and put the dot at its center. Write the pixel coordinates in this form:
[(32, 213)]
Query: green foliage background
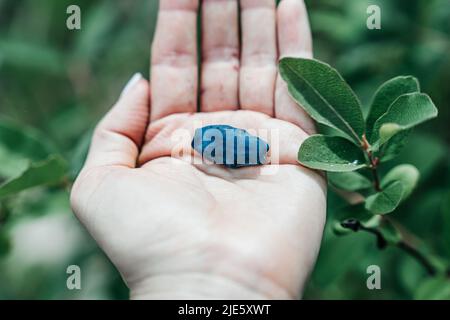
[(55, 84)]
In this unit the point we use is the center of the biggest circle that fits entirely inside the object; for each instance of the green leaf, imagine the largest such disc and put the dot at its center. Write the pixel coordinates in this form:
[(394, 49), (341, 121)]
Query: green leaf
[(407, 111), (350, 181), (387, 200), (386, 94), (437, 288), (46, 172), (335, 154), (394, 146), (324, 94), (387, 131), (407, 174), (18, 145)]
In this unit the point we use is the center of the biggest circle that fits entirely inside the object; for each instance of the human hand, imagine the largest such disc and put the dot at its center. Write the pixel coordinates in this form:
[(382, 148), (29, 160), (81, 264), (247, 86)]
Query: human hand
[(176, 229)]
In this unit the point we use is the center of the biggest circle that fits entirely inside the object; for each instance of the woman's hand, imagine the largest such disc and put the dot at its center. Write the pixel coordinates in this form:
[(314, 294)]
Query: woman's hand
[(179, 229)]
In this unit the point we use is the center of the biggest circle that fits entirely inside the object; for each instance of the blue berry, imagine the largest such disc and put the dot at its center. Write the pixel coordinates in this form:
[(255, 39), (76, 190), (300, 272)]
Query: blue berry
[(229, 146)]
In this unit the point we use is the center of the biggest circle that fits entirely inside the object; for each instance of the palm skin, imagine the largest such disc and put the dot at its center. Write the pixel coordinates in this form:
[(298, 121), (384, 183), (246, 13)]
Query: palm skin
[(176, 228)]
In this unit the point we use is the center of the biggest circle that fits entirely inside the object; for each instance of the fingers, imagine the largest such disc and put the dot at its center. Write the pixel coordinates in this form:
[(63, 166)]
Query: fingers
[(118, 136), (294, 40), (174, 59), (259, 56), (220, 55), (294, 33)]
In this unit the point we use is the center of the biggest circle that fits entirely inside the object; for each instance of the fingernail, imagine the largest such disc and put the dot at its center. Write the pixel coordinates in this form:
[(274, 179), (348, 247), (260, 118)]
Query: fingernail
[(131, 83)]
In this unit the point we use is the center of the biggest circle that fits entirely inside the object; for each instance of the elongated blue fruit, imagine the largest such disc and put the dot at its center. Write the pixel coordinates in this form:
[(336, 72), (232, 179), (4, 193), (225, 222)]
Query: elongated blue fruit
[(229, 146)]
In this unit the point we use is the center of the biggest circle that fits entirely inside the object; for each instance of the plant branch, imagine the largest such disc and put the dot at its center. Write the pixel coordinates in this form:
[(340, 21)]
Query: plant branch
[(407, 244), (419, 256), (376, 179), (381, 242), (402, 244), (373, 163)]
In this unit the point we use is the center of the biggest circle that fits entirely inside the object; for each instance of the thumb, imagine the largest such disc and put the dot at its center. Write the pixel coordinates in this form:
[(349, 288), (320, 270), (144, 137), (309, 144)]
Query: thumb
[(118, 137)]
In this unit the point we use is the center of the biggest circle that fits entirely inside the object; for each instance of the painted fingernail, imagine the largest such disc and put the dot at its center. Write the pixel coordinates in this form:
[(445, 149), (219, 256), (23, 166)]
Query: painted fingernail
[(131, 83)]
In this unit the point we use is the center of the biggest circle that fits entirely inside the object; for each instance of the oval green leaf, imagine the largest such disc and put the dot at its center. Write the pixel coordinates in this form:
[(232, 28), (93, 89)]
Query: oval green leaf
[(323, 93), (335, 154), (406, 112), (387, 200), (386, 94), (45, 172), (407, 174), (394, 146), (19, 145), (387, 131)]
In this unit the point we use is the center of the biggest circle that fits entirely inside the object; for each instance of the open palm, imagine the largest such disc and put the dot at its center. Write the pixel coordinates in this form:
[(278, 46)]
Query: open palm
[(176, 228)]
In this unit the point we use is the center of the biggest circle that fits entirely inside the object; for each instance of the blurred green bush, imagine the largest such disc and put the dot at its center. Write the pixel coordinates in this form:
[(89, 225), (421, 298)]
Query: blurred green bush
[(55, 84)]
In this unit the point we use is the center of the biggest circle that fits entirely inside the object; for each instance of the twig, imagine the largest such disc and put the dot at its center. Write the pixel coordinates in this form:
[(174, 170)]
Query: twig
[(402, 244), (381, 241), (419, 256), (374, 161), (376, 178)]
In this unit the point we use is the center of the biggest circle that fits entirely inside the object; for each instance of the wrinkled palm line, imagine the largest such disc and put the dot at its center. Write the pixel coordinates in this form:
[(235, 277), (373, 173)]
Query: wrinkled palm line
[(328, 104)]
